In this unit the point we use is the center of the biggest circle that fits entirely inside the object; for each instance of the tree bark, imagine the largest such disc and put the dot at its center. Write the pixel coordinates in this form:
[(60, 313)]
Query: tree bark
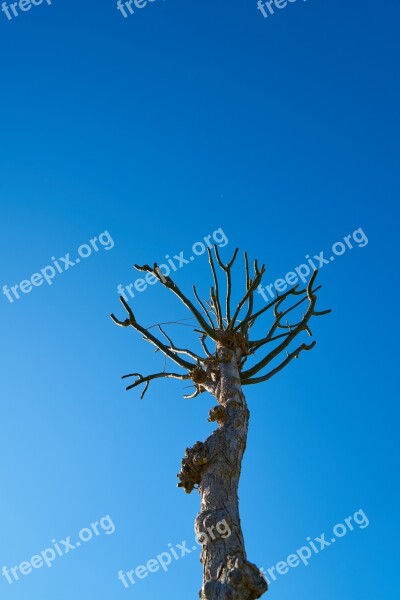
[(215, 467)]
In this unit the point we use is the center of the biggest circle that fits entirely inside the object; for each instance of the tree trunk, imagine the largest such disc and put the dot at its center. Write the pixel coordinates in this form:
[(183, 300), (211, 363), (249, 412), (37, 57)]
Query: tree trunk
[(215, 466)]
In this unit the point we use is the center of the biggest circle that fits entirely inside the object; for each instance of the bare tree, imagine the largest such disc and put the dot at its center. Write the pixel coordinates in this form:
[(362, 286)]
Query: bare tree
[(213, 467)]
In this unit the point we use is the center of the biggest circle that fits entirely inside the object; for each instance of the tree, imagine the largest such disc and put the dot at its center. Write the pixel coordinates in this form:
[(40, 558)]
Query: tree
[(213, 467)]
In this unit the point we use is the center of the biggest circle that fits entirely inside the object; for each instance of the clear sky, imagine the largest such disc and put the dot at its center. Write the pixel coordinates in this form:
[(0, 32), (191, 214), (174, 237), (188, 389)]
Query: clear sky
[(151, 132)]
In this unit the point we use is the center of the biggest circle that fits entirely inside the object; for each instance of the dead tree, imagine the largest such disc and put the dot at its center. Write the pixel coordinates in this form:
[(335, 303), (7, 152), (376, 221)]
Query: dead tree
[(213, 467)]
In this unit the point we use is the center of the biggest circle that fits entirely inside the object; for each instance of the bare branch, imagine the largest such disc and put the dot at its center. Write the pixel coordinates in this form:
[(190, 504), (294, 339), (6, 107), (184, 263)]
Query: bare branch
[(150, 337), (215, 307), (293, 332), (125, 323), (173, 348), (245, 325), (203, 307), (276, 324), (288, 359), (320, 313), (147, 378), (166, 336), (249, 292), (197, 392), (246, 266), (276, 300), (205, 372), (203, 343), (215, 294), (227, 268), (171, 285)]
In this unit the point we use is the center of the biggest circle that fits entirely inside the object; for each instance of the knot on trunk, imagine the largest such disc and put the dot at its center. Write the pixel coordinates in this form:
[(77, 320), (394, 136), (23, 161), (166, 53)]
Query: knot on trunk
[(239, 580), (212, 526), (198, 375), (245, 577), (212, 367), (217, 413), (192, 464), (233, 340)]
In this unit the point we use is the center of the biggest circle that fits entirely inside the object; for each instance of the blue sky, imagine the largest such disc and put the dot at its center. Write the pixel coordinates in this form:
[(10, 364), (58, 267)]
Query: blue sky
[(160, 129)]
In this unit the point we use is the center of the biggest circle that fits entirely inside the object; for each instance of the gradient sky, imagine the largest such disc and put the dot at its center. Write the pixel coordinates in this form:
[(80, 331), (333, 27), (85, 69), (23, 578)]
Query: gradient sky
[(160, 129)]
